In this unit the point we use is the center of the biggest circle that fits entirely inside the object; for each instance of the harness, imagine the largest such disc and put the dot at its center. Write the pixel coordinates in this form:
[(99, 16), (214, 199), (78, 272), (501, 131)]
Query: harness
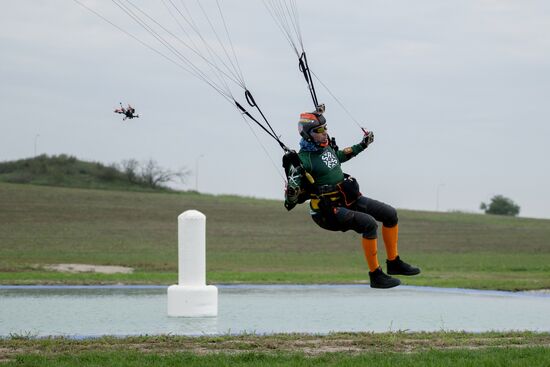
[(344, 193)]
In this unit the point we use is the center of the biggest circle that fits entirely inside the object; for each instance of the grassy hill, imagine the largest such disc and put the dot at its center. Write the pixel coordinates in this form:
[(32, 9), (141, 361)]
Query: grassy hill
[(68, 171), (251, 240)]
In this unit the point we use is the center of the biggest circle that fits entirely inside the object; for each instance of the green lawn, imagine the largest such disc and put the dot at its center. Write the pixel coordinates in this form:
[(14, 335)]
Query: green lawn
[(339, 349), (251, 240)]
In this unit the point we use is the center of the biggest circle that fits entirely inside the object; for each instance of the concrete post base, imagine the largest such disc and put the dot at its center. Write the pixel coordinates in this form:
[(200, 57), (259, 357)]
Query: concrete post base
[(193, 301)]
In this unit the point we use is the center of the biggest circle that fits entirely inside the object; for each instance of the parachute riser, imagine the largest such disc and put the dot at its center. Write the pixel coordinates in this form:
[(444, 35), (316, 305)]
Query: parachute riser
[(304, 68), (247, 114)]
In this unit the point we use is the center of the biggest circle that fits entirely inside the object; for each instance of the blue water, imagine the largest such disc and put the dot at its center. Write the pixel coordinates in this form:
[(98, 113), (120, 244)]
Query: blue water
[(87, 311)]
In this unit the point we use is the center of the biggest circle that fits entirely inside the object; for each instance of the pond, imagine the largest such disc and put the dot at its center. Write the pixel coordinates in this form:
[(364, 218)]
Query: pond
[(89, 311)]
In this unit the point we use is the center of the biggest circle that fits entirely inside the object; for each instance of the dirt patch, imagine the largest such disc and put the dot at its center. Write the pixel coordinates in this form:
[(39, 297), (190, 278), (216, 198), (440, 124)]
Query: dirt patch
[(89, 268)]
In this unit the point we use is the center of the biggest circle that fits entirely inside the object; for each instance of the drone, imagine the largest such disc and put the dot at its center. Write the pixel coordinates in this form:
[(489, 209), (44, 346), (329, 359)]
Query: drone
[(128, 112)]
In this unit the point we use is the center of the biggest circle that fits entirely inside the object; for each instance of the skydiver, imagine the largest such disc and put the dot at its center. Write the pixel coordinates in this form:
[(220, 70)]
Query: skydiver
[(336, 204)]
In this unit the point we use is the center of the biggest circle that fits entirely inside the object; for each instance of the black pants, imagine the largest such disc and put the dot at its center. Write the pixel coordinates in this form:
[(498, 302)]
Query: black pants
[(361, 217)]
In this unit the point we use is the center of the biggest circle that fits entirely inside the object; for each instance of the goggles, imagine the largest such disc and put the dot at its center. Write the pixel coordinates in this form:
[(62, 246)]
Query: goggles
[(320, 129)]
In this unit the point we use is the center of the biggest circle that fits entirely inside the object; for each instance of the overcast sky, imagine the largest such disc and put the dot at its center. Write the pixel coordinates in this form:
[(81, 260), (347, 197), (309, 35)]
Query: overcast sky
[(456, 92)]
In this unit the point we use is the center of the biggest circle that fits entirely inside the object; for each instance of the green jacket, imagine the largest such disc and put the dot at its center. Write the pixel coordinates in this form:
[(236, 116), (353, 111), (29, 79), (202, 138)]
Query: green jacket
[(324, 166)]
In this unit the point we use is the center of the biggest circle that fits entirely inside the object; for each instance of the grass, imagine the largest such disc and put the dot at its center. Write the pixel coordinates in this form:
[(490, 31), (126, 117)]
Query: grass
[(339, 349), (257, 241), (528, 357), (251, 240)]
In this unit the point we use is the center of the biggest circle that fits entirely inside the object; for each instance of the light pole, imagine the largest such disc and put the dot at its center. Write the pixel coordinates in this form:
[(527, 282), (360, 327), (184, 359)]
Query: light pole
[(35, 142), (197, 172), (437, 196)]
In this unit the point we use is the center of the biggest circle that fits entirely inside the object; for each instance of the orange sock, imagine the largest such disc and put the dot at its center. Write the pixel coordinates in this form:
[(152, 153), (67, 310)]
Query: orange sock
[(370, 249), (390, 235)]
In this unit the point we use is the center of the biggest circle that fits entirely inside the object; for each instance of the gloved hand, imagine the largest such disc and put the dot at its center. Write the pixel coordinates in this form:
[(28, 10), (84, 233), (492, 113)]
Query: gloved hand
[(291, 159), (291, 191), (367, 139)]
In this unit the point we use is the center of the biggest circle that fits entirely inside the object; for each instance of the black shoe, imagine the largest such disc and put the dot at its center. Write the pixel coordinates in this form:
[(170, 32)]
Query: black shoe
[(399, 267), (380, 280)]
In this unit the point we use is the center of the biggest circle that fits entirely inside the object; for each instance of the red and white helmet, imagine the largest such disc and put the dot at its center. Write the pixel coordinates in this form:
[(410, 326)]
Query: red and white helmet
[(309, 121)]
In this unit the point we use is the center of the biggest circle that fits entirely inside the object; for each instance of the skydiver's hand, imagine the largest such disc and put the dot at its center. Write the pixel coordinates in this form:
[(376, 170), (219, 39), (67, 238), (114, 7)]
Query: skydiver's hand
[(367, 139), (291, 191), (291, 159)]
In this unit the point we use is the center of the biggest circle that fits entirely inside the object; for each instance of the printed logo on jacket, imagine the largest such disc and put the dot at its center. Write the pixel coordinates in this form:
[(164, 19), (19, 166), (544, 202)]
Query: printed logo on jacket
[(329, 159)]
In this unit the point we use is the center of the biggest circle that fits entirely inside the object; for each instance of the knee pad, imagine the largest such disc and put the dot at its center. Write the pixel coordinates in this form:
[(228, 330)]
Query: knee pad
[(369, 227), (390, 217)]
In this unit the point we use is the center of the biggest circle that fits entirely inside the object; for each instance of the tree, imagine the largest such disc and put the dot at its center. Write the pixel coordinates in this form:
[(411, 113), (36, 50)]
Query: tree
[(154, 175), (150, 173), (130, 167), (501, 205)]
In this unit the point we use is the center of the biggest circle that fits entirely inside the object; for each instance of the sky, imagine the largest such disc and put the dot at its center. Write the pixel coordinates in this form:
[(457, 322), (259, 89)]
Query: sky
[(456, 93)]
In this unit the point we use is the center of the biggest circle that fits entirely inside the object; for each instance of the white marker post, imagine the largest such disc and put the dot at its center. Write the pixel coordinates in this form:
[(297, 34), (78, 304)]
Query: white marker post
[(192, 297)]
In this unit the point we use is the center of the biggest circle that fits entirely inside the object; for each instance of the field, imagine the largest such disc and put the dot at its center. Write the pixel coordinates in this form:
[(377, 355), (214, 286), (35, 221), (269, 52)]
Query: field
[(251, 240), (257, 241)]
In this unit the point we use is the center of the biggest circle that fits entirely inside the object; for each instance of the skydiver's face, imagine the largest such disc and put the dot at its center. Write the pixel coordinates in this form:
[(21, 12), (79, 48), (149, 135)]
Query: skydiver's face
[(320, 135)]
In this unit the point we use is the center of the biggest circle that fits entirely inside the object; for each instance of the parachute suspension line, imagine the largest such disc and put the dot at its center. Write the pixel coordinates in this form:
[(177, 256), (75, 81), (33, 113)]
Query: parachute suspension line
[(291, 11), (234, 70), (195, 70), (264, 149), (237, 77), (277, 12), (286, 14), (296, 22), (133, 37), (236, 67), (153, 49), (140, 17), (231, 61), (213, 68), (166, 43), (339, 102)]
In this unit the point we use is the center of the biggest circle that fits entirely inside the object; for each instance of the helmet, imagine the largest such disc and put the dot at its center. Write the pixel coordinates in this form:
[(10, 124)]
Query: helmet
[(309, 121)]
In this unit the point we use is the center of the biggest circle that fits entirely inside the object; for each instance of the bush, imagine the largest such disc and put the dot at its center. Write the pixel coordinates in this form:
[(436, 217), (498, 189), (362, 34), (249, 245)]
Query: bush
[(501, 205), (20, 178), (109, 173)]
